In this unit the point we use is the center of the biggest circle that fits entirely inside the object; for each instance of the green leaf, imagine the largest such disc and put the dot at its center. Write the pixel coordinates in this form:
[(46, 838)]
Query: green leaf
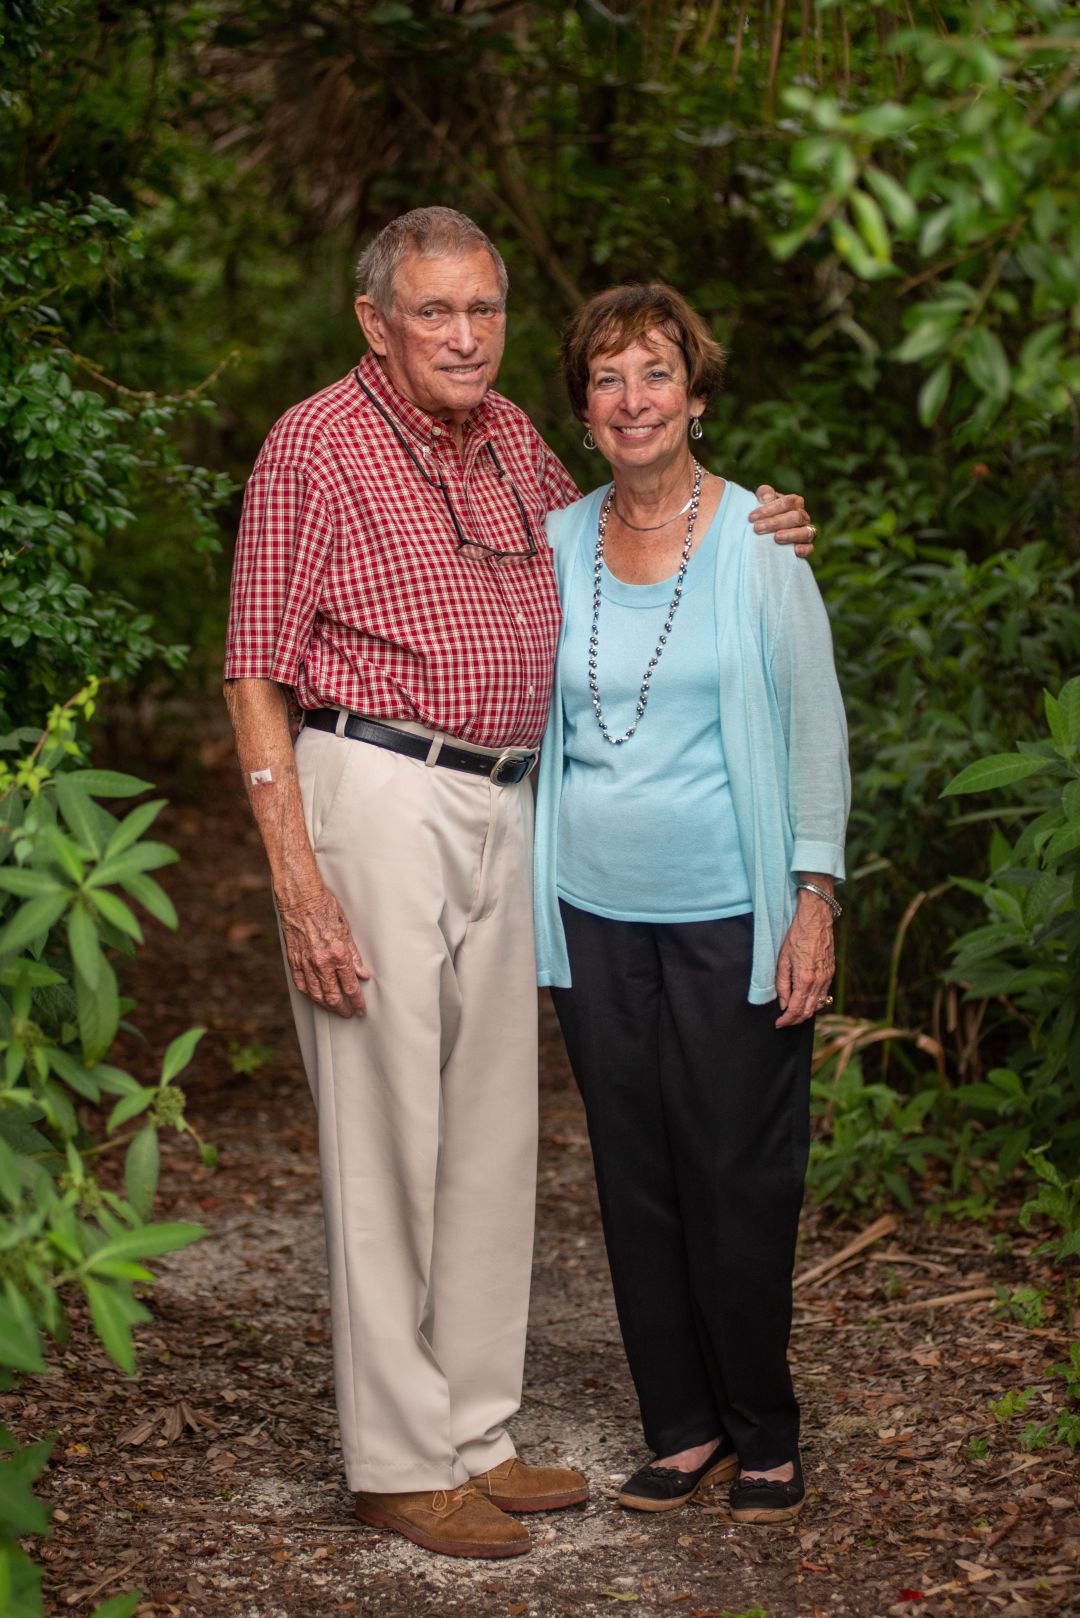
[(895, 200), (116, 911), (79, 810), (28, 882), (931, 336), (99, 1012), (118, 1606), (145, 1241), (179, 1053), (153, 898), (74, 1073), (130, 862), (999, 770), (141, 1166), (934, 392), (129, 1107), (133, 825), (20, 1340), (31, 921), (985, 361), (1069, 705), (1062, 842), (85, 945), (872, 227), (110, 784), (111, 1311)]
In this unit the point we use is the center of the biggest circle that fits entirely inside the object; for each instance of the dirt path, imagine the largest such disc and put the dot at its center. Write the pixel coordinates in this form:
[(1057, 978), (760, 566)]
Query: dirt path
[(211, 1480)]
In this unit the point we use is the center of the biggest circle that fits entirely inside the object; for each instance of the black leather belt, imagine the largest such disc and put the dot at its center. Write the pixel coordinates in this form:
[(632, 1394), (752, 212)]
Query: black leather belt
[(506, 770)]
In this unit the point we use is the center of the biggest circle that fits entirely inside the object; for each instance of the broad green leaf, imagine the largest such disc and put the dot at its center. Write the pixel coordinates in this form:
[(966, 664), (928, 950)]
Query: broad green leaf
[(999, 770), (179, 1053), (79, 810), (116, 911), (133, 825), (118, 1606), (110, 784), (10, 1175), (892, 196), (28, 882), (1063, 842), (30, 922), (131, 862), (99, 1012), (871, 223), (74, 1073), (1069, 704), (934, 392), (130, 1106), (20, 1340), (928, 338), (986, 362), (112, 1321), (153, 898), (146, 1241), (141, 1166), (1056, 720), (85, 945)]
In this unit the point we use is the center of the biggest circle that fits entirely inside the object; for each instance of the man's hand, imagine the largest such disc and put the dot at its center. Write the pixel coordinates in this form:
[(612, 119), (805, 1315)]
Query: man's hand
[(323, 958), (806, 961), (786, 517)]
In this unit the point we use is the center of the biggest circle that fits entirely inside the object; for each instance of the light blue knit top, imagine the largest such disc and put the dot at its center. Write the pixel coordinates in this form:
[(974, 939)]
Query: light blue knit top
[(781, 718), (647, 830)]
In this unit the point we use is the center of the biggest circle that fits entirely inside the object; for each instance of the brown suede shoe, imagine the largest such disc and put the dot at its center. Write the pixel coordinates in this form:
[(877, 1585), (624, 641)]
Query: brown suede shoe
[(513, 1486), (453, 1522)]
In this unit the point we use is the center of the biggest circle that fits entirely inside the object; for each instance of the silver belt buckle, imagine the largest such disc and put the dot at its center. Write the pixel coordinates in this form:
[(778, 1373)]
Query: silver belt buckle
[(510, 757)]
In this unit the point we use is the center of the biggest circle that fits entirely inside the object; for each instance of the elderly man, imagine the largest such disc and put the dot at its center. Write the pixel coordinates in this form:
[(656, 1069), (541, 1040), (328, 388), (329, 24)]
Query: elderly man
[(392, 573)]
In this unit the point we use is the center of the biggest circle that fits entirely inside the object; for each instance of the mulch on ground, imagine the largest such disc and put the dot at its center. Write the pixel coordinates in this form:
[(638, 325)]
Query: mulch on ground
[(211, 1480)]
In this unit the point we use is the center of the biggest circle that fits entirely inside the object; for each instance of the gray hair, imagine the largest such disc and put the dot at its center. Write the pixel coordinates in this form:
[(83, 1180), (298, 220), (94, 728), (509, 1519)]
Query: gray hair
[(430, 232)]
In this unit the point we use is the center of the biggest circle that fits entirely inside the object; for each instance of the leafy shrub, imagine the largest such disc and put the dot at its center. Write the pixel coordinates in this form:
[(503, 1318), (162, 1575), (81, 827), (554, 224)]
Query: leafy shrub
[(69, 870), (1025, 958), (73, 465)]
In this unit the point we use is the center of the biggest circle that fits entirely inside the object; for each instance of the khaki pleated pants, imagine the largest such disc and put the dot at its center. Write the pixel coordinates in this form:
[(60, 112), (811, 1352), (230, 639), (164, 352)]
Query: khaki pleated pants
[(427, 1109)]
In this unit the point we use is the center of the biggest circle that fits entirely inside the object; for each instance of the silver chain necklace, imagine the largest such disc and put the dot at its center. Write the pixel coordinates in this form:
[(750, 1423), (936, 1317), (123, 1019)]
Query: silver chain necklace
[(594, 638)]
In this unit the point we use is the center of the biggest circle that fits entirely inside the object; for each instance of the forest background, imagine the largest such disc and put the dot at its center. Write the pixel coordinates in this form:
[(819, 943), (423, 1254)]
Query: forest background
[(876, 205)]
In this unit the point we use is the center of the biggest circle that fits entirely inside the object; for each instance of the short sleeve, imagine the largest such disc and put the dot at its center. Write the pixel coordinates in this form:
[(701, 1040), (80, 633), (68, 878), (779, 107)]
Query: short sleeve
[(285, 538)]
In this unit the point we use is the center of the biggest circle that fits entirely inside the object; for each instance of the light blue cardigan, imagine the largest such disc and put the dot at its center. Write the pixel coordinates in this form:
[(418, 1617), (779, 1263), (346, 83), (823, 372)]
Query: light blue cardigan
[(782, 720)]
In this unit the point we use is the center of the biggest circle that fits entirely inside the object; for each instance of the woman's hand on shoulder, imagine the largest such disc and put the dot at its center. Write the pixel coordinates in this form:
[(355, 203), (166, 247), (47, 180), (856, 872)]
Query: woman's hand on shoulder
[(807, 960)]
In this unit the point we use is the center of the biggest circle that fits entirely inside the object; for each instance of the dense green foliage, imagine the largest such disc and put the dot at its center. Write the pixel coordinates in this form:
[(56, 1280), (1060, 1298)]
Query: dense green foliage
[(74, 465), (68, 869)]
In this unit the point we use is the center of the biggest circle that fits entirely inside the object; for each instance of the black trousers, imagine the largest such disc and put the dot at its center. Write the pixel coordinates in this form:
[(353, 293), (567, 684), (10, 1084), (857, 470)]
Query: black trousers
[(698, 1115)]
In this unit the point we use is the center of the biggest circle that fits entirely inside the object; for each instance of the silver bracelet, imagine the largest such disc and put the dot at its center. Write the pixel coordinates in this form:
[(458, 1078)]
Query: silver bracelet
[(834, 905)]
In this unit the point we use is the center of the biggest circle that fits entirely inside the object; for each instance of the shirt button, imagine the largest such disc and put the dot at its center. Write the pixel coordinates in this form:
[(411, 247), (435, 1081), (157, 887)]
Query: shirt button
[(532, 691), (436, 429), (520, 617)]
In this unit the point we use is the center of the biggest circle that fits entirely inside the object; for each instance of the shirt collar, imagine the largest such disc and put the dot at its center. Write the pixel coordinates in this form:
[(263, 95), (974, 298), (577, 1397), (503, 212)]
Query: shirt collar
[(479, 423)]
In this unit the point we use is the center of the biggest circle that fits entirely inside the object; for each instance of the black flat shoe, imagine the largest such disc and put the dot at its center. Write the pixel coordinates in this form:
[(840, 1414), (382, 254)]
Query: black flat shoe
[(662, 1488), (767, 1500)]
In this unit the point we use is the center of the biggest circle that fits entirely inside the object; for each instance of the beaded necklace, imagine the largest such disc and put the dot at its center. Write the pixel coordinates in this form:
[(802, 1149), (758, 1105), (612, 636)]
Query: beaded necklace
[(594, 638)]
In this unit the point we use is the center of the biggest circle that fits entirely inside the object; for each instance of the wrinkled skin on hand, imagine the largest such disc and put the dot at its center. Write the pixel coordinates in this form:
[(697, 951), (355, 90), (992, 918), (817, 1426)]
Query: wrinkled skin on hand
[(786, 516), (805, 966), (323, 958)]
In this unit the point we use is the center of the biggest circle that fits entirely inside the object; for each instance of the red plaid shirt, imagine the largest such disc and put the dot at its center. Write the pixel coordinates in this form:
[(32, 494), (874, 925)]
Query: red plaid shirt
[(347, 584)]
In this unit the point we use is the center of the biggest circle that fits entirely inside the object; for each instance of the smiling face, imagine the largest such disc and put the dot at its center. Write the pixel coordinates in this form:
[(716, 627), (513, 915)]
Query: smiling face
[(442, 341), (637, 403)]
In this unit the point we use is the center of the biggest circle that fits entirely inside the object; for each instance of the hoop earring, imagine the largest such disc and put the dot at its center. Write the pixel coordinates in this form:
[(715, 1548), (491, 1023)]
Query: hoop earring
[(589, 441), (695, 427)]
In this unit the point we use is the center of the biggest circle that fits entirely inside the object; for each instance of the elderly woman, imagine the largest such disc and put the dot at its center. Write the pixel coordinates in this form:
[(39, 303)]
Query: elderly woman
[(690, 822)]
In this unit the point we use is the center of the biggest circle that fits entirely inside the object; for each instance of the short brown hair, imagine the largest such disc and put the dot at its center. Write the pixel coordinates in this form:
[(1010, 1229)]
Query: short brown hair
[(620, 316)]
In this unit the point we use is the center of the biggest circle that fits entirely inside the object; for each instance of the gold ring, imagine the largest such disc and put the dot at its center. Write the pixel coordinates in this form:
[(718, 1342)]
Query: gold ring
[(826, 1000), (813, 532)]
